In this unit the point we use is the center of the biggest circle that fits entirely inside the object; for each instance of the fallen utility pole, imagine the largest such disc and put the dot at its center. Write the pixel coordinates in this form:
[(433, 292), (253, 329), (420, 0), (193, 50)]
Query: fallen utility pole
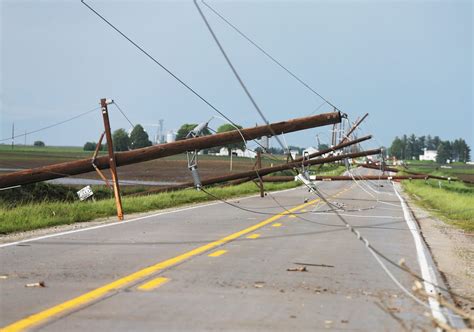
[(379, 168), (347, 178), (422, 175), (164, 150), (354, 127), (254, 174), (335, 148), (320, 153)]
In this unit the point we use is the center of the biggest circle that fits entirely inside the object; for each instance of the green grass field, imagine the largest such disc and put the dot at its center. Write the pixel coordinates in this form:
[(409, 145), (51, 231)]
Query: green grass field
[(452, 202), (47, 214)]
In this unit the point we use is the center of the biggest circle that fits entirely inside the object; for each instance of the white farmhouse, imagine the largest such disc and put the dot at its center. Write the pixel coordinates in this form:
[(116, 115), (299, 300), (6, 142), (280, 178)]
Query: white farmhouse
[(429, 155), (237, 152)]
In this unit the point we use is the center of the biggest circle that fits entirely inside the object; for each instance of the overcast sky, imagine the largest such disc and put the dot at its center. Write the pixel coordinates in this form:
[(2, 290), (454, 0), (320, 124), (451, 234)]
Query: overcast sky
[(407, 63)]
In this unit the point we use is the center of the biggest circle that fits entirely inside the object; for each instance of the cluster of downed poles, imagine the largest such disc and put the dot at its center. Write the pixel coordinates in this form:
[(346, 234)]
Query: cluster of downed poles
[(196, 143)]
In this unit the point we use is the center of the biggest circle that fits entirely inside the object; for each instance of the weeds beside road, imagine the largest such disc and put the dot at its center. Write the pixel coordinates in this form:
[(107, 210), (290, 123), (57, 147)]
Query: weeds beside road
[(47, 214), (452, 202)]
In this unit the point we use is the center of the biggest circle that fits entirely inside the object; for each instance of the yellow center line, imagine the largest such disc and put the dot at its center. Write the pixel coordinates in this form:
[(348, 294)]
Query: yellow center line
[(98, 293), (276, 224), (155, 283), (217, 253), (292, 216), (253, 236)]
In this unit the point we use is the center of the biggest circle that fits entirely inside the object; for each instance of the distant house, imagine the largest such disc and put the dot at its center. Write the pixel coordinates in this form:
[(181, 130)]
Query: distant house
[(429, 155), (237, 152)]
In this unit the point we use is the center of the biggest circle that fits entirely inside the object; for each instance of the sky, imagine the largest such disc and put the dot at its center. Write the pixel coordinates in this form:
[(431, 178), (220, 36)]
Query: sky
[(409, 64)]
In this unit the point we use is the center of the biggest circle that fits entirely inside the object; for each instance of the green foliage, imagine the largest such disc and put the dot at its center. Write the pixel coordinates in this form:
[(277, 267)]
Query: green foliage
[(139, 138), (409, 148), (444, 152), (39, 144), (47, 214), (397, 148), (460, 150), (90, 146), (228, 127), (121, 140), (453, 202)]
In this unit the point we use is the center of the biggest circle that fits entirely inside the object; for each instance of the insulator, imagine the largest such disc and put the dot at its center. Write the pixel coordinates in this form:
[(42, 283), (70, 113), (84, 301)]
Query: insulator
[(196, 178)]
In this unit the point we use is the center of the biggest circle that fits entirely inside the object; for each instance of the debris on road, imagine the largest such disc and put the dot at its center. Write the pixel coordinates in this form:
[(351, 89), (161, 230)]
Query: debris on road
[(259, 284), (36, 284), (309, 264), (297, 269)]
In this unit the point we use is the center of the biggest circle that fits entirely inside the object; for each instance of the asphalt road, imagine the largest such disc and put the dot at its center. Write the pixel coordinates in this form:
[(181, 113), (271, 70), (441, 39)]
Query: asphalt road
[(218, 267)]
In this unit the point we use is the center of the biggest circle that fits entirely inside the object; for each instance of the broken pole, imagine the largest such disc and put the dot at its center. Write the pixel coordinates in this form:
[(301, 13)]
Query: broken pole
[(258, 165), (164, 150), (251, 175)]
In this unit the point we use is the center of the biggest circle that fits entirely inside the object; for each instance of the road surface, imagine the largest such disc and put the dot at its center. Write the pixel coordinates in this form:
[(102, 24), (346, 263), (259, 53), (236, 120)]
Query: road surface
[(219, 267)]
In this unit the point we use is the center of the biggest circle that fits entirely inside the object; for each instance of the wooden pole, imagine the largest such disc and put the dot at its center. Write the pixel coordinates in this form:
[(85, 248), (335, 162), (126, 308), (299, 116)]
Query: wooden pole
[(113, 167), (163, 150), (259, 166)]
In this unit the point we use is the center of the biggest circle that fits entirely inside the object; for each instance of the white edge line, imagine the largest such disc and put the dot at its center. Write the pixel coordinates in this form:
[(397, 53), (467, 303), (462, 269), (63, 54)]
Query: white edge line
[(9, 244), (427, 271)]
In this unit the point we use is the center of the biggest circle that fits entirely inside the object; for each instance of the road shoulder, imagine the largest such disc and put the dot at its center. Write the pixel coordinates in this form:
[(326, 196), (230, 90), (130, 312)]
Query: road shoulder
[(453, 252)]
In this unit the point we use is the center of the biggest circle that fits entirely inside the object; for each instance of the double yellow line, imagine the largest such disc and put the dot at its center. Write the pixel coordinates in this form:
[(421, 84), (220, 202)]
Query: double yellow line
[(77, 302)]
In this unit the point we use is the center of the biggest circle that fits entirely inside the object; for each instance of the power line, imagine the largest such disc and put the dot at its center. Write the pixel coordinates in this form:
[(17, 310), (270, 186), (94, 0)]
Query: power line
[(296, 77), (157, 62), (51, 126), (123, 113), (237, 76)]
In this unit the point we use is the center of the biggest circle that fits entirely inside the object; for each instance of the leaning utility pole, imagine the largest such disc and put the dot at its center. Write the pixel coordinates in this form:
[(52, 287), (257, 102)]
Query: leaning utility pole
[(257, 173), (112, 164), (353, 128), (165, 150)]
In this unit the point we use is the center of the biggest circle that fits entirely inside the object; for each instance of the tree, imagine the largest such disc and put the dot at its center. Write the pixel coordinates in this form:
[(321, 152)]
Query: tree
[(436, 142), (444, 152), (429, 144), (139, 138), (90, 146), (461, 151), (396, 149), (233, 146), (121, 140), (186, 128), (39, 143)]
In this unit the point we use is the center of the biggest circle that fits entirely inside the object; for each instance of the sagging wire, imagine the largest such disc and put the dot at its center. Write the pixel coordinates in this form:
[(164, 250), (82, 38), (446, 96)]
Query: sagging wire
[(123, 113), (141, 49), (375, 253), (51, 126), (306, 85), (239, 79)]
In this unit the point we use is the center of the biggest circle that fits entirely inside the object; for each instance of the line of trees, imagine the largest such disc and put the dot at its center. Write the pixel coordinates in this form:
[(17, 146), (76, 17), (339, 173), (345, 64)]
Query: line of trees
[(411, 147), (138, 138)]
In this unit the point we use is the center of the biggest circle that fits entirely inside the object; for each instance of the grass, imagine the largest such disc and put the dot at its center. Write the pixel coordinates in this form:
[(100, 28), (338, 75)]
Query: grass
[(47, 214), (429, 167), (453, 202), (331, 169)]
